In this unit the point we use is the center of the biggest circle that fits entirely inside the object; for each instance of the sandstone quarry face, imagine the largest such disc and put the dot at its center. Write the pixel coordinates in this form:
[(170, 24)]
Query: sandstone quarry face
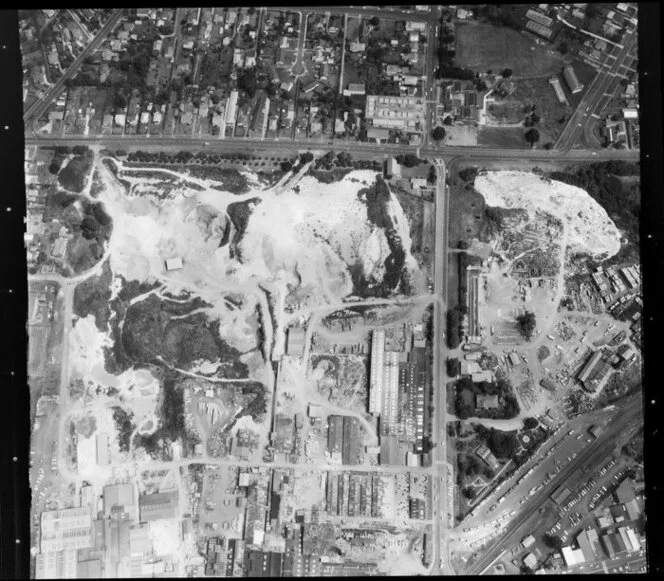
[(587, 227)]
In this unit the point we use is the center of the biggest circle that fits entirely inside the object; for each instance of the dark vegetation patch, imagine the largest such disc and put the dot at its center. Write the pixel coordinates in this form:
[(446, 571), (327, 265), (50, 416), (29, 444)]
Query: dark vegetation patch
[(502, 444), (239, 213), (526, 323), (92, 297), (172, 423), (151, 331), (115, 359), (232, 180), (74, 175), (125, 427), (466, 390), (377, 199)]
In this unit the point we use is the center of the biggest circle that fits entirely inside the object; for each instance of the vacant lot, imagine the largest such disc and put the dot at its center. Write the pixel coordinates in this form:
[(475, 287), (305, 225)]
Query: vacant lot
[(506, 111), (540, 93), (483, 47), (465, 206), (460, 135), (504, 137)]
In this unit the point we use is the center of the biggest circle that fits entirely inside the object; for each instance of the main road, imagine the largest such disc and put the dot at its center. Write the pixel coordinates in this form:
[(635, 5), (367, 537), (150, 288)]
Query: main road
[(441, 516), (591, 99), (595, 453), (39, 107), (384, 149)]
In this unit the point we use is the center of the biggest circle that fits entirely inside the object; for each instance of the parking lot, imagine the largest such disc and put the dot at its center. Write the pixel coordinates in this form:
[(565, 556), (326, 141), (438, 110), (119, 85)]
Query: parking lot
[(218, 507)]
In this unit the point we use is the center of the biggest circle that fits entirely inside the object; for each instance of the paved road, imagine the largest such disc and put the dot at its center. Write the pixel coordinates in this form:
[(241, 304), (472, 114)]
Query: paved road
[(148, 143), (364, 12), (39, 107), (592, 98), (439, 420), (595, 453)]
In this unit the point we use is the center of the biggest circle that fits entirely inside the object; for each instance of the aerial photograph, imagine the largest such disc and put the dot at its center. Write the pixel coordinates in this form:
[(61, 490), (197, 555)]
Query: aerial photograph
[(334, 291)]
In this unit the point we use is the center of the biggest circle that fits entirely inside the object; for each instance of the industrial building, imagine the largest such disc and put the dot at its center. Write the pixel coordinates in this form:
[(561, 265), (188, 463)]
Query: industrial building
[(558, 88), (389, 411), (572, 82), (295, 341), (539, 29), (162, 505), (539, 17), (119, 496), (174, 263), (57, 565), (596, 372), (589, 544), (395, 112), (343, 439), (376, 371), (67, 529), (389, 451), (335, 435), (265, 564)]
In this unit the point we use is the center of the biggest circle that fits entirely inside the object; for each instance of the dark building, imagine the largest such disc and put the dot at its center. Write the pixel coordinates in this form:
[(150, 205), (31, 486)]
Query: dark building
[(158, 506)]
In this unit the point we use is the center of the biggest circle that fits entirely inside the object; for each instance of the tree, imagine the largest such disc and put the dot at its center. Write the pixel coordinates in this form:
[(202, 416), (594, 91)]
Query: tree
[(448, 120), (119, 101), (469, 492), (526, 323), (411, 160), (535, 118), (89, 227), (553, 542), (453, 323), (530, 423), (532, 136), (286, 166), (438, 133), (375, 21), (306, 157), (507, 73), (453, 366)]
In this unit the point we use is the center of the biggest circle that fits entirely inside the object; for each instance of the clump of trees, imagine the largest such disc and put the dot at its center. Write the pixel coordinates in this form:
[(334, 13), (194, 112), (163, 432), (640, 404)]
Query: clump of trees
[(453, 367), (124, 426), (502, 444), (454, 325), (532, 136), (530, 423), (409, 160), (438, 133), (96, 223), (468, 174), (553, 541), (526, 323), (501, 387)]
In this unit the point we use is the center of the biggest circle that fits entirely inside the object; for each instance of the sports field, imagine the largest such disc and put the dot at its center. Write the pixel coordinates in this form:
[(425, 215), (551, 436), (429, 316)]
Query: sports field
[(482, 47)]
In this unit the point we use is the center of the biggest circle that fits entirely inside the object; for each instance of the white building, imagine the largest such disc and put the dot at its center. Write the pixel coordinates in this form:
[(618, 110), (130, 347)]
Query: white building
[(174, 263), (376, 372)]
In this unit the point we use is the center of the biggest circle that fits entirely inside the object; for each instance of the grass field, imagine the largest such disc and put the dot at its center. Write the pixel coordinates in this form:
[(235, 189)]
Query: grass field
[(508, 137), (539, 92), (506, 111), (483, 47), (465, 205)]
